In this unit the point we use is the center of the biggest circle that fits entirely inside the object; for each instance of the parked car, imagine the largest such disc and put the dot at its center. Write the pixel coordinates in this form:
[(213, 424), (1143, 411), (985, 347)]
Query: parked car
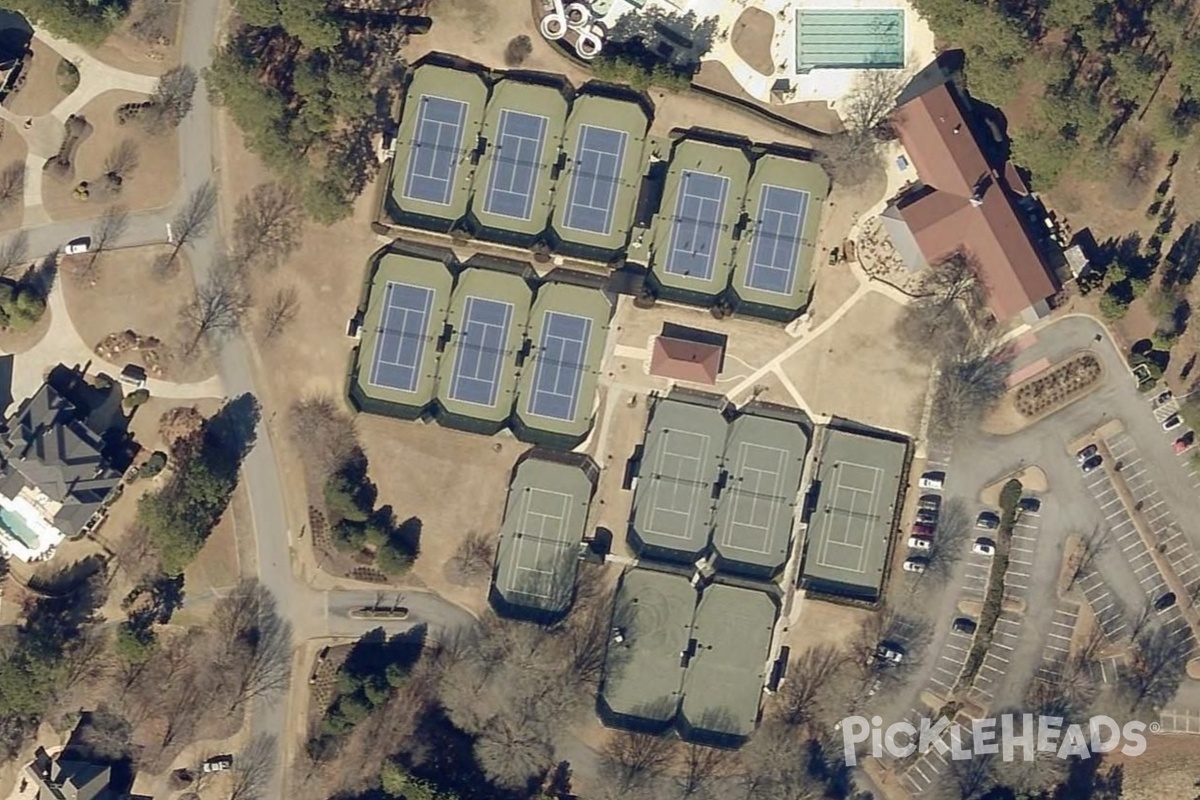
[(916, 564), (984, 547), (988, 520), (933, 480), (1086, 453), (217, 763), (1185, 441), (930, 502), (1164, 602), (918, 543), (889, 652), (1163, 398), (77, 246), (1092, 463), (965, 625), (1172, 422), (1029, 505), (924, 531), (927, 517)]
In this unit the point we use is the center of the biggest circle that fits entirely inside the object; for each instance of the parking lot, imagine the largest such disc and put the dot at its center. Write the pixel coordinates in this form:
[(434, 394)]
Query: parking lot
[(1125, 535), (1171, 540), (1020, 557), (997, 663), (1104, 604), (1058, 640)]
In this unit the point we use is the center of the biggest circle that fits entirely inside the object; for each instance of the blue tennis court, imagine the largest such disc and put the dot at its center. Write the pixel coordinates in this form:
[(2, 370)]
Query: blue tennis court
[(476, 376), (561, 360), (697, 224), (598, 159), (515, 169), (401, 342), (433, 162), (777, 234)]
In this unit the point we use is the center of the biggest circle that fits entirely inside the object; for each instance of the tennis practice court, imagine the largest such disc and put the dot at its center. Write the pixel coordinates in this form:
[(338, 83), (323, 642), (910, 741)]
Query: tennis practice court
[(777, 232), (513, 182), (850, 529), (850, 515), (561, 361), (544, 522), (696, 225), (433, 163), (599, 156), (400, 345), (849, 38), (476, 375)]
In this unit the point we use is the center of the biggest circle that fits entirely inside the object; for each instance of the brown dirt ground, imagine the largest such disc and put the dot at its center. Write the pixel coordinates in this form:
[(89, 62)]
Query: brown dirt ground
[(419, 468), (12, 148), (127, 296), (1168, 768), (125, 51), (40, 92), (751, 39), (152, 184), (622, 430), (824, 623), (833, 285), (848, 368)]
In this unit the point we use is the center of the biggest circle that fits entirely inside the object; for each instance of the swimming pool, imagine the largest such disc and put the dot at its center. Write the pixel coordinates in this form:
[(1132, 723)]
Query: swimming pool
[(849, 39)]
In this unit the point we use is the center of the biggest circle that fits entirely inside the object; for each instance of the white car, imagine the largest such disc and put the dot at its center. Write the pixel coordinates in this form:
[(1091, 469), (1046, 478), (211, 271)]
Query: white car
[(77, 246), (916, 564), (917, 543), (984, 547), (932, 480)]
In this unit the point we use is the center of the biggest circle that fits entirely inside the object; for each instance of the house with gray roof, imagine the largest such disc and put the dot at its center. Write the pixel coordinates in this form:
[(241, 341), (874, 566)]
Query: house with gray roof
[(53, 475)]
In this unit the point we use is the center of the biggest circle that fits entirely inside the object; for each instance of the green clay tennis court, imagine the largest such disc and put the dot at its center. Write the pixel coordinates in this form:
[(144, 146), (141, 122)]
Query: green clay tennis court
[(849, 38)]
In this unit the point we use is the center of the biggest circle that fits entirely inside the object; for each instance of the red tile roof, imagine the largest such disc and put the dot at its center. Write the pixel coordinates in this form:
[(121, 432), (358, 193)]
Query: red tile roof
[(683, 360), (966, 205)]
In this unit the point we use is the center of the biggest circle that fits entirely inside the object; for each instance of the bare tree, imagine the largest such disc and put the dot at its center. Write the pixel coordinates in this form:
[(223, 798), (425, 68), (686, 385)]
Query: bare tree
[(1091, 546), (171, 100), (280, 311), (971, 778), (966, 387), (267, 225), (254, 643), (121, 161), (700, 768), (774, 765), (871, 99), (324, 432), (512, 750), (12, 184), (939, 320), (14, 252), (953, 530), (472, 559), (1138, 625), (218, 308), (192, 222), (253, 769), (1156, 668), (850, 157), (110, 227), (633, 760), (807, 678)]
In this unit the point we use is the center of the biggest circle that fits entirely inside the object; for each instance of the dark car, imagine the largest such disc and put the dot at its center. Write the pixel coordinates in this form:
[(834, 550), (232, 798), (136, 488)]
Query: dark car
[(988, 520), (923, 531), (927, 517), (1092, 463), (1029, 505), (929, 502), (1086, 453), (1165, 602), (965, 625)]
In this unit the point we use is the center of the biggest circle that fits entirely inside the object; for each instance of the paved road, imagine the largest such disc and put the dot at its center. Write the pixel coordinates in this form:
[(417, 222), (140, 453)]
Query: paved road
[(311, 612)]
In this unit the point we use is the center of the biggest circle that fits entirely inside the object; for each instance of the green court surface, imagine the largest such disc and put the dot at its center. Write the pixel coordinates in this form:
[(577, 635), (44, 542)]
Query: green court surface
[(850, 38)]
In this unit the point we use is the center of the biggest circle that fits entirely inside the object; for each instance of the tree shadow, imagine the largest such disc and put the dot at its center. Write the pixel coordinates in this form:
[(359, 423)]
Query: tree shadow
[(408, 533), (41, 275), (679, 40), (1183, 259), (230, 433)]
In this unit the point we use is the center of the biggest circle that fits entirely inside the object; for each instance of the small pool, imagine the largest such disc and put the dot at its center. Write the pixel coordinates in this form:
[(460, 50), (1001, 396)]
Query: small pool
[(849, 39), (18, 529)]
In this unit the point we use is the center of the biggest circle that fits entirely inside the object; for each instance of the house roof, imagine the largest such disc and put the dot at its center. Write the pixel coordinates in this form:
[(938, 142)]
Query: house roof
[(50, 447), (683, 360), (967, 205)]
